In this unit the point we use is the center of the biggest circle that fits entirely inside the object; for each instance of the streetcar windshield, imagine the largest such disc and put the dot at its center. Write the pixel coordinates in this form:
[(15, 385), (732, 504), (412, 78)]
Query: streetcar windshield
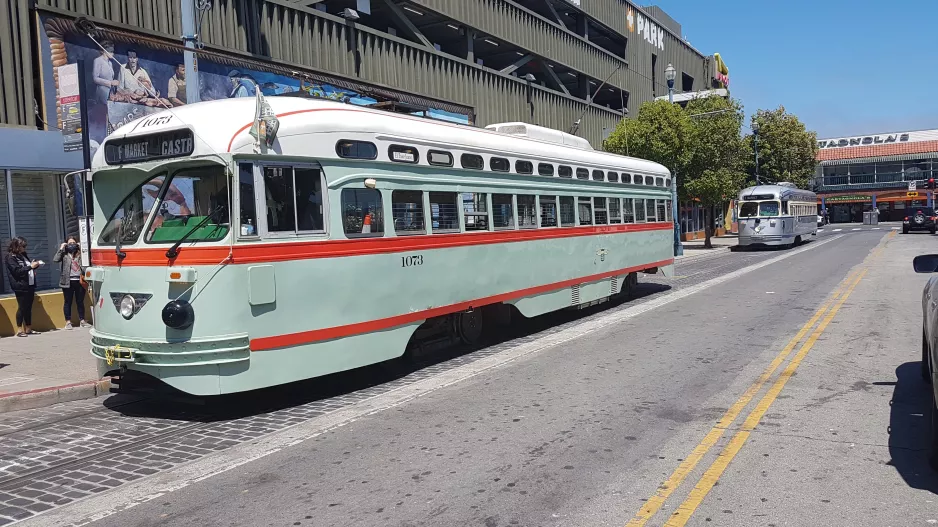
[(196, 197), (127, 221), (762, 209)]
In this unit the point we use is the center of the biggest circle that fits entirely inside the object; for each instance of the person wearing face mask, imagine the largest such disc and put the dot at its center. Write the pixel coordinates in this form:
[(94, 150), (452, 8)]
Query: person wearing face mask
[(70, 280)]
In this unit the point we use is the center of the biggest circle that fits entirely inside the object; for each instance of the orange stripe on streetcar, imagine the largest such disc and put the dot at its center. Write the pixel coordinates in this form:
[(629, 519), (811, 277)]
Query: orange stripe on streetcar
[(317, 335), (280, 251)]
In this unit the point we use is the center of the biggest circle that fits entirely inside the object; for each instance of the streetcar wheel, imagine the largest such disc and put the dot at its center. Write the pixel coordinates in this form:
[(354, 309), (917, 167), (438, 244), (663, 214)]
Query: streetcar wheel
[(933, 431), (468, 326), (926, 367)]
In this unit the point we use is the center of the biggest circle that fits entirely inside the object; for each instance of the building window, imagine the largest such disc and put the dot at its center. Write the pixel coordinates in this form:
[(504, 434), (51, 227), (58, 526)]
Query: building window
[(349, 149), (548, 211), (565, 171), (472, 161), (440, 158), (407, 211), (361, 212), (585, 208), (524, 167), (499, 164), (527, 212), (598, 175), (567, 212), (444, 216), (602, 217), (582, 173), (403, 154), (476, 211), (502, 215), (545, 169), (615, 215), (628, 210)]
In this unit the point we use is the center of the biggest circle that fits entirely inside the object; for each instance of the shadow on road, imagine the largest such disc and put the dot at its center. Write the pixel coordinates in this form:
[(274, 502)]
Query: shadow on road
[(154, 399), (908, 428)]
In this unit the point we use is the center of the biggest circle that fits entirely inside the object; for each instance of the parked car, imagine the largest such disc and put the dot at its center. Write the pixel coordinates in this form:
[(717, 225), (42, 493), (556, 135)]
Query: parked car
[(928, 263), (919, 219)]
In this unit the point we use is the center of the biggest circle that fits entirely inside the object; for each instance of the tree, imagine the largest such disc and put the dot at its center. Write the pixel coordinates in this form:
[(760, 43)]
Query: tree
[(716, 170), (787, 150), (714, 187), (662, 132)]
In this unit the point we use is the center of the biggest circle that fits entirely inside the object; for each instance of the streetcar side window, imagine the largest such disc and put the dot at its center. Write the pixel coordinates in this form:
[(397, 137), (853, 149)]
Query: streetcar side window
[(628, 210), (362, 215), (567, 211), (564, 171), (278, 185), (612, 177), (548, 211), (649, 180), (403, 154), (602, 217), (444, 216), (639, 210), (440, 158), (545, 169), (598, 175), (527, 212), (637, 179), (669, 214), (659, 181), (476, 211), (650, 209), (667, 183), (247, 206), (524, 167), (586, 211), (502, 215), (472, 161), (615, 212), (784, 207), (582, 173), (499, 164), (309, 200), (349, 149), (661, 210), (407, 211)]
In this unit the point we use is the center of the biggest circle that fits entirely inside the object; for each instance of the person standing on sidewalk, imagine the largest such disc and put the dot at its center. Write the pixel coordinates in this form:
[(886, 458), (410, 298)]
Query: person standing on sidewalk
[(70, 280), (22, 272)]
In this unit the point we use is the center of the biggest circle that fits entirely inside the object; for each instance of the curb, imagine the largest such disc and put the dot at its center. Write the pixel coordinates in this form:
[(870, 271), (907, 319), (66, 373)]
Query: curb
[(715, 252), (40, 397)]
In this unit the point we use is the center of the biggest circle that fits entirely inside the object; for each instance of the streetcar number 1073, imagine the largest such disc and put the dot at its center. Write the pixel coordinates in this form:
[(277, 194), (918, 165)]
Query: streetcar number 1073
[(410, 261)]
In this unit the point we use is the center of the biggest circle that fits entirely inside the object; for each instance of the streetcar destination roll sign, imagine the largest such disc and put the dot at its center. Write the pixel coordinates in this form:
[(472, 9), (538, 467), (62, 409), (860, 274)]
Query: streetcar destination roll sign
[(163, 145)]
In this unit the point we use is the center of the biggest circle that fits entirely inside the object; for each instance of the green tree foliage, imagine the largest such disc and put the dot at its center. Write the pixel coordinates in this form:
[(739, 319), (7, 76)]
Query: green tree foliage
[(662, 132), (787, 151), (713, 188)]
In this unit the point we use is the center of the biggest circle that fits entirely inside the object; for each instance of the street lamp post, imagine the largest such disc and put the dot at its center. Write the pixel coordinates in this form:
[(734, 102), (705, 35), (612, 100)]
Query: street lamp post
[(755, 143), (669, 74)]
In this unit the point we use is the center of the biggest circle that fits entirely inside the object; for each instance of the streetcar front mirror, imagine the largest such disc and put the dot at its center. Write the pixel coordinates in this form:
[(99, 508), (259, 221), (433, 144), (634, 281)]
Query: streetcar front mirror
[(926, 263)]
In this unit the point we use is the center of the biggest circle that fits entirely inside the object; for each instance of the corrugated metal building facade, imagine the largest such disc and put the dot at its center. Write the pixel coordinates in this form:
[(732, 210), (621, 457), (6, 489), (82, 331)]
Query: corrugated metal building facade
[(550, 62)]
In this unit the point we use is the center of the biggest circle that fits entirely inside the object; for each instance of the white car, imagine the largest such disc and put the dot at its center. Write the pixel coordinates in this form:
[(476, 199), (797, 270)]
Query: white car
[(928, 263), (820, 220)]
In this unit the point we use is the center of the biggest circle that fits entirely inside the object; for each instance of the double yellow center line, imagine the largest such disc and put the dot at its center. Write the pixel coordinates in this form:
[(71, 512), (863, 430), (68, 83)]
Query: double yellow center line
[(825, 313)]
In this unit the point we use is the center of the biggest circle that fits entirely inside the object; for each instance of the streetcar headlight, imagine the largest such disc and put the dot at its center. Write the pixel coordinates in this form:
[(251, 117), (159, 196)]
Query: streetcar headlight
[(127, 307), (178, 314)]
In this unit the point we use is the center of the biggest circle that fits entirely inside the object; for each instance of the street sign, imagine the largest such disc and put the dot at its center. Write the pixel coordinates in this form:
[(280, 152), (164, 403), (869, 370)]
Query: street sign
[(911, 194), (911, 186)]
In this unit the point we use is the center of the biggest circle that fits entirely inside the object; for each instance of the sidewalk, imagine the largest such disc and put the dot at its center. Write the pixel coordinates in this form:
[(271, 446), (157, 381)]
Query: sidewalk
[(47, 368), (695, 248)]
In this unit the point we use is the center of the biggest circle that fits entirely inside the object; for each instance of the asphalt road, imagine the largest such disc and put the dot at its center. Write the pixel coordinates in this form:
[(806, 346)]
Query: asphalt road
[(654, 411)]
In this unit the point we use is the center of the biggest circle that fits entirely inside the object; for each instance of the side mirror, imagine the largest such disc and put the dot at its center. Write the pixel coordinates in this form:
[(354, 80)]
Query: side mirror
[(926, 263)]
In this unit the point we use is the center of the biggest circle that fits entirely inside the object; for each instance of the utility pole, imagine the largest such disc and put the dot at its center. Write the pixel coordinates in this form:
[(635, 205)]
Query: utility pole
[(189, 39)]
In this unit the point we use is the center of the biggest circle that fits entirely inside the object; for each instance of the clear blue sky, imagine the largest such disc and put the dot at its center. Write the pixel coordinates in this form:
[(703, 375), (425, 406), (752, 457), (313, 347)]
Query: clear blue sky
[(843, 67)]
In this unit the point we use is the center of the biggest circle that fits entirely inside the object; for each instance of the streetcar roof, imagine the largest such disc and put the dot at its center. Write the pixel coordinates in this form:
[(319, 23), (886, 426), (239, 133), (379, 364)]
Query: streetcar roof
[(223, 127), (775, 192)]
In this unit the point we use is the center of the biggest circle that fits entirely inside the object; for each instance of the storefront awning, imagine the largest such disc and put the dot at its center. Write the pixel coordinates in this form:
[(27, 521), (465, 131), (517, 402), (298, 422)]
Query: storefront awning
[(880, 159)]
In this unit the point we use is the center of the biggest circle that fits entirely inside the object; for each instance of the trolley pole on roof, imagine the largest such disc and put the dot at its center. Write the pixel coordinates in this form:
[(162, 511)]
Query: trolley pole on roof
[(189, 39)]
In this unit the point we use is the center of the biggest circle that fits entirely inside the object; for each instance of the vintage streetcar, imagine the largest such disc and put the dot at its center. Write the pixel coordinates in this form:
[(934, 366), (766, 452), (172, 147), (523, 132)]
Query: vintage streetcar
[(776, 215), (248, 243)]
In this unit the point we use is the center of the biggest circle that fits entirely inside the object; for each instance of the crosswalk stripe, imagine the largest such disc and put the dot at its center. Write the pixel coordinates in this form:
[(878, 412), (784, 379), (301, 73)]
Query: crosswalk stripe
[(837, 230), (857, 229)]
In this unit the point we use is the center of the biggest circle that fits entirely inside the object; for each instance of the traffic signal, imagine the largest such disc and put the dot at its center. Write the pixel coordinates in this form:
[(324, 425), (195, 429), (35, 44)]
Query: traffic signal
[(930, 184)]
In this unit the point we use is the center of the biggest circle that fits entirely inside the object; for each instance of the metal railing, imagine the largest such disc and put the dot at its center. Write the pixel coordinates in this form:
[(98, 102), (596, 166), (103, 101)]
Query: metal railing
[(892, 180)]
